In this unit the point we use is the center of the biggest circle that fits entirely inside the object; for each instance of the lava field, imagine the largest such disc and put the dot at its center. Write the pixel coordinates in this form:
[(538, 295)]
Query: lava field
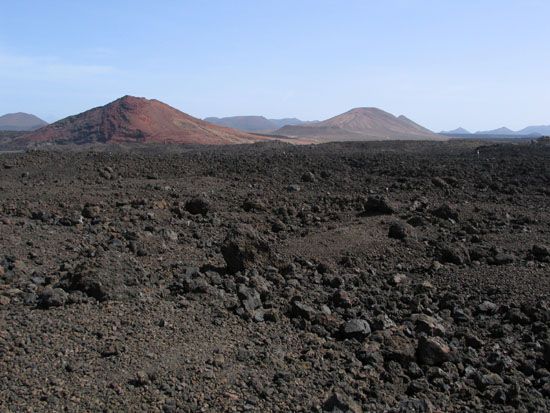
[(344, 277)]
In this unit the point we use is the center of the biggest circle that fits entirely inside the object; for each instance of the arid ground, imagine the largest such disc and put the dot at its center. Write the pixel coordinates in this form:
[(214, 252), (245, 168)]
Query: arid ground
[(348, 277)]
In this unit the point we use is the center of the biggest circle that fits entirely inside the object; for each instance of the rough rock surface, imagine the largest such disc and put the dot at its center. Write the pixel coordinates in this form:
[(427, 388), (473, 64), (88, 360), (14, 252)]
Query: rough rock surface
[(123, 289)]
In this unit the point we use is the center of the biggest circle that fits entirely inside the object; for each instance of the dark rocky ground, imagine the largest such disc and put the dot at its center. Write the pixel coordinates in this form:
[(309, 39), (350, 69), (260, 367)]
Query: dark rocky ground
[(346, 277)]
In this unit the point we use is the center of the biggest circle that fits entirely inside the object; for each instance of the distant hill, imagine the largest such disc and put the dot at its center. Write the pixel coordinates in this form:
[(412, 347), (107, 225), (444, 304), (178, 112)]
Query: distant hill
[(279, 123), (533, 131), (500, 131), (361, 124), (137, 120), (457, 131), (20, 122), (253, 123), (244, 123), (540, 130)]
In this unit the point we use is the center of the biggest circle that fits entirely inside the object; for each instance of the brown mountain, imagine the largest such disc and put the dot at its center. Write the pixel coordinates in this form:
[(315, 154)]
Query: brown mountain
[(20, 122), (137, 120), (361, 124)]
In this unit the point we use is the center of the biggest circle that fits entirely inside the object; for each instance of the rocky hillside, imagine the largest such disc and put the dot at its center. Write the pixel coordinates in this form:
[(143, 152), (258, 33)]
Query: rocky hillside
[(361, 124), (131, 119)]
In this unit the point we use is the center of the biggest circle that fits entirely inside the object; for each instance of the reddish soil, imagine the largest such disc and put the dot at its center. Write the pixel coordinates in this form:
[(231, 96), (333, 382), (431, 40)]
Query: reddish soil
[(131, 119), (361, 124)]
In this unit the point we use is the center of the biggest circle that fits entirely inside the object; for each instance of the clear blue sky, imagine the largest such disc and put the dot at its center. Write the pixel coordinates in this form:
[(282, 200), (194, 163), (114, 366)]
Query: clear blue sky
[(475, 63)]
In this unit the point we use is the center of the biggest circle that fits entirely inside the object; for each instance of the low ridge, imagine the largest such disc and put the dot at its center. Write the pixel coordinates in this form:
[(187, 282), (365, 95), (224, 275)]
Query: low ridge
[(253, 123), (244, 123)]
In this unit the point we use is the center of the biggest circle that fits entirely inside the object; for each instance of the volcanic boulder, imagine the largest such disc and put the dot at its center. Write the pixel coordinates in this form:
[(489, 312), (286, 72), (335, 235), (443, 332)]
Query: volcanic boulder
[(433, 351), (198, 206), (379, 205), (445, 211), (339, 402), (356, 328), (244, 248), (400, 230), (52, 297), (541, 253)]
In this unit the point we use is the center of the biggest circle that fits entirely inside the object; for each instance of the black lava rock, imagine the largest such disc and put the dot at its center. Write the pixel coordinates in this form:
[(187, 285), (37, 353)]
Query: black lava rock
[(379, 205), (198, 206)]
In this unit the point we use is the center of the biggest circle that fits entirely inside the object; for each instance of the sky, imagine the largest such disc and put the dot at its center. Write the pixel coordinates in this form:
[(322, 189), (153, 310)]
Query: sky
[(480, 64)]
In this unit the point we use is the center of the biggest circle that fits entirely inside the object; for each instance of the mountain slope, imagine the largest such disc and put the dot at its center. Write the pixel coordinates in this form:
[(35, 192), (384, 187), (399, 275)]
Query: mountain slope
[(20, 122), (138, 120), (361, 124)]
